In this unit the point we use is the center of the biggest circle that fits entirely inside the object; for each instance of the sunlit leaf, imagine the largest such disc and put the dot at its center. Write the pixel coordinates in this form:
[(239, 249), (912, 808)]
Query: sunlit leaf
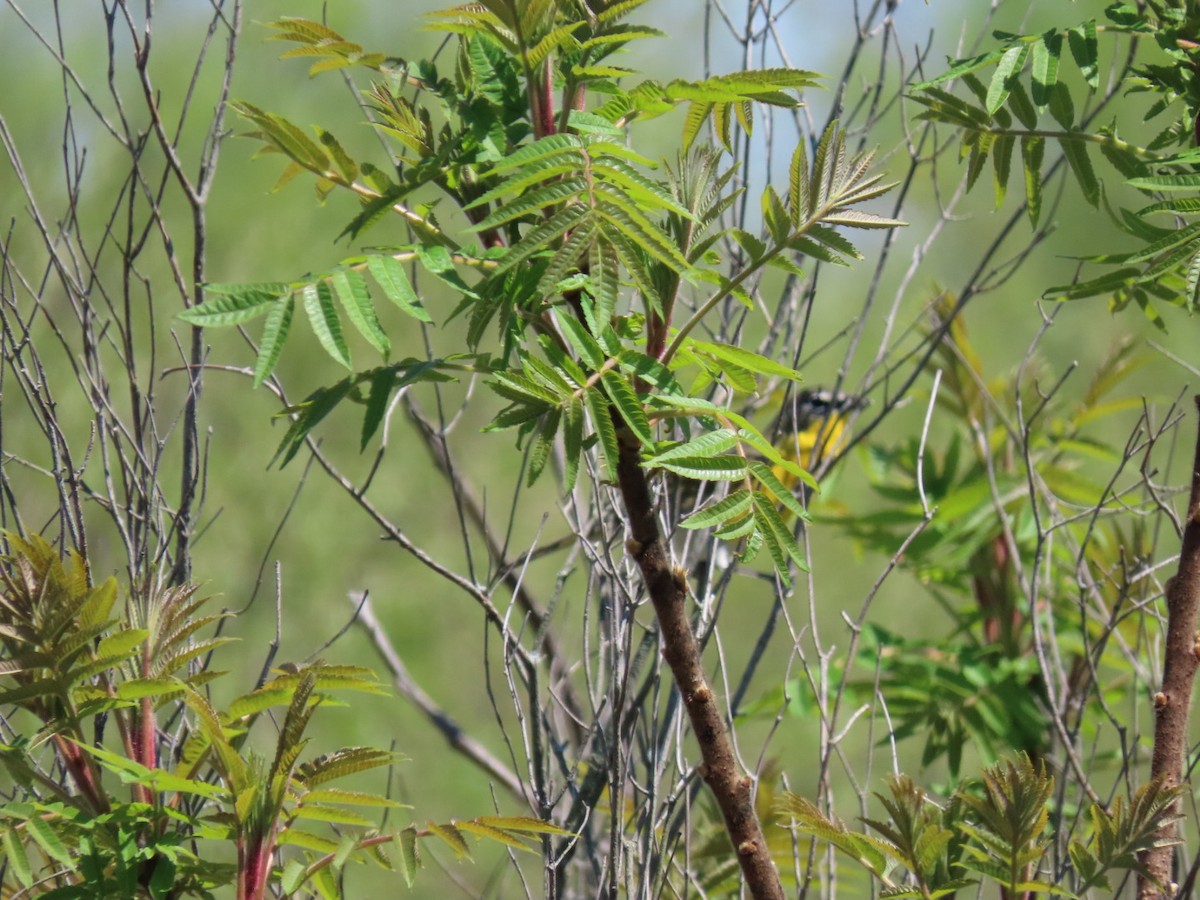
[(1007, 69), (1046, 52), (1085, 50), (231, 304), (1033, 149), (351, 289), (389, 274), (318, 305)]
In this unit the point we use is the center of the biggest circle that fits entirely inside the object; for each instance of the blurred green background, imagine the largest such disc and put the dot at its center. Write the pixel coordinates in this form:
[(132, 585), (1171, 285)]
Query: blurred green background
[(327, 548)]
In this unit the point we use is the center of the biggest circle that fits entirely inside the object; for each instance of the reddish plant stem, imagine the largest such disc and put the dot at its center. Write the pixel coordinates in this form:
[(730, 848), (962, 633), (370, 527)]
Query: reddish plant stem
[(1182, 657), (541, 101), (145, 731), (83, 773), (254, 862), (656, 335), (668, 589)]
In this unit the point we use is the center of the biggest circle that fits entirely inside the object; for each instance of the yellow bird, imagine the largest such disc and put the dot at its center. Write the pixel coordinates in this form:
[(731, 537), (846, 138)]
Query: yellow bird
[(811, 425)]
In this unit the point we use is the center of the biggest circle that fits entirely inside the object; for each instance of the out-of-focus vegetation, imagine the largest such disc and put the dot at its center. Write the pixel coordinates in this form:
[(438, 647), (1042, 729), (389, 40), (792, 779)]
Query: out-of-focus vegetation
[(988, 547)]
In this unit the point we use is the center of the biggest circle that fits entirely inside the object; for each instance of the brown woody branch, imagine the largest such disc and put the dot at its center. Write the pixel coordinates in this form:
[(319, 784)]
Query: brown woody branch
[(1182, 658), (668, 591)]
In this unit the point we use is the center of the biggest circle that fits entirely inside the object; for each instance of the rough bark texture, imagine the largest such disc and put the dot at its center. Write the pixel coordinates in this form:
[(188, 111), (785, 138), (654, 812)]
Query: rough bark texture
[(1179, 673), (668, 591)]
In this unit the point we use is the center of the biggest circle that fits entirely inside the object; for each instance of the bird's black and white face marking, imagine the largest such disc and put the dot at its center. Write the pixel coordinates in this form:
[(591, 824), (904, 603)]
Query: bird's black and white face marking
[(814, 405)]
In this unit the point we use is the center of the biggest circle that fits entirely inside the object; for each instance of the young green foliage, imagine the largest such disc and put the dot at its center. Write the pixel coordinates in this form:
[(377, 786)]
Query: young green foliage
[(583, 253), (70, 661), (1026, 98), (998, 832), (585, 248), (988, 694)]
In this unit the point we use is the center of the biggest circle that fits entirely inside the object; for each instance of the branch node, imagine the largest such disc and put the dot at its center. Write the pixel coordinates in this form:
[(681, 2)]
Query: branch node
[(681, 579), (1161, 700)]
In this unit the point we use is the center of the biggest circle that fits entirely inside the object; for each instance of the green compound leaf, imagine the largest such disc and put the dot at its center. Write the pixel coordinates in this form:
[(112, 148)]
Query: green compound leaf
[(1104, 284), (572, 442), (560, 376), (781, 494), (606, 431), (697, 114), (1085, 50), (604, 260), (524, 825), (586, 346), (736, 529), (14, 856), (346, 165), (834, 241), (809, 819), (287, 137), (351, 290), (1021, 106), (275, 332), (1183, 181), (130, 772), (389, 274), (777, 538), (1001, 166), (1062, 106), (45, 837), (743, 358), (731, 508), (535, 241), (649, 370), (1168, 242), (1006, 73), (707, 468), (452, 837), (294, 874), (377, 401), (533, 201), (563, 272), (315, 407), (440, 264), (628, 405), (409, 858), (961, 67), (981, 144), (942, 106), (342, 763), (522, 389), (543, 445), (1047, 52), (231, 304), (1033, 149), (1192, 294), (1081, 167), (482, 830), (1184, 205), (318, 305), (711, 443)]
